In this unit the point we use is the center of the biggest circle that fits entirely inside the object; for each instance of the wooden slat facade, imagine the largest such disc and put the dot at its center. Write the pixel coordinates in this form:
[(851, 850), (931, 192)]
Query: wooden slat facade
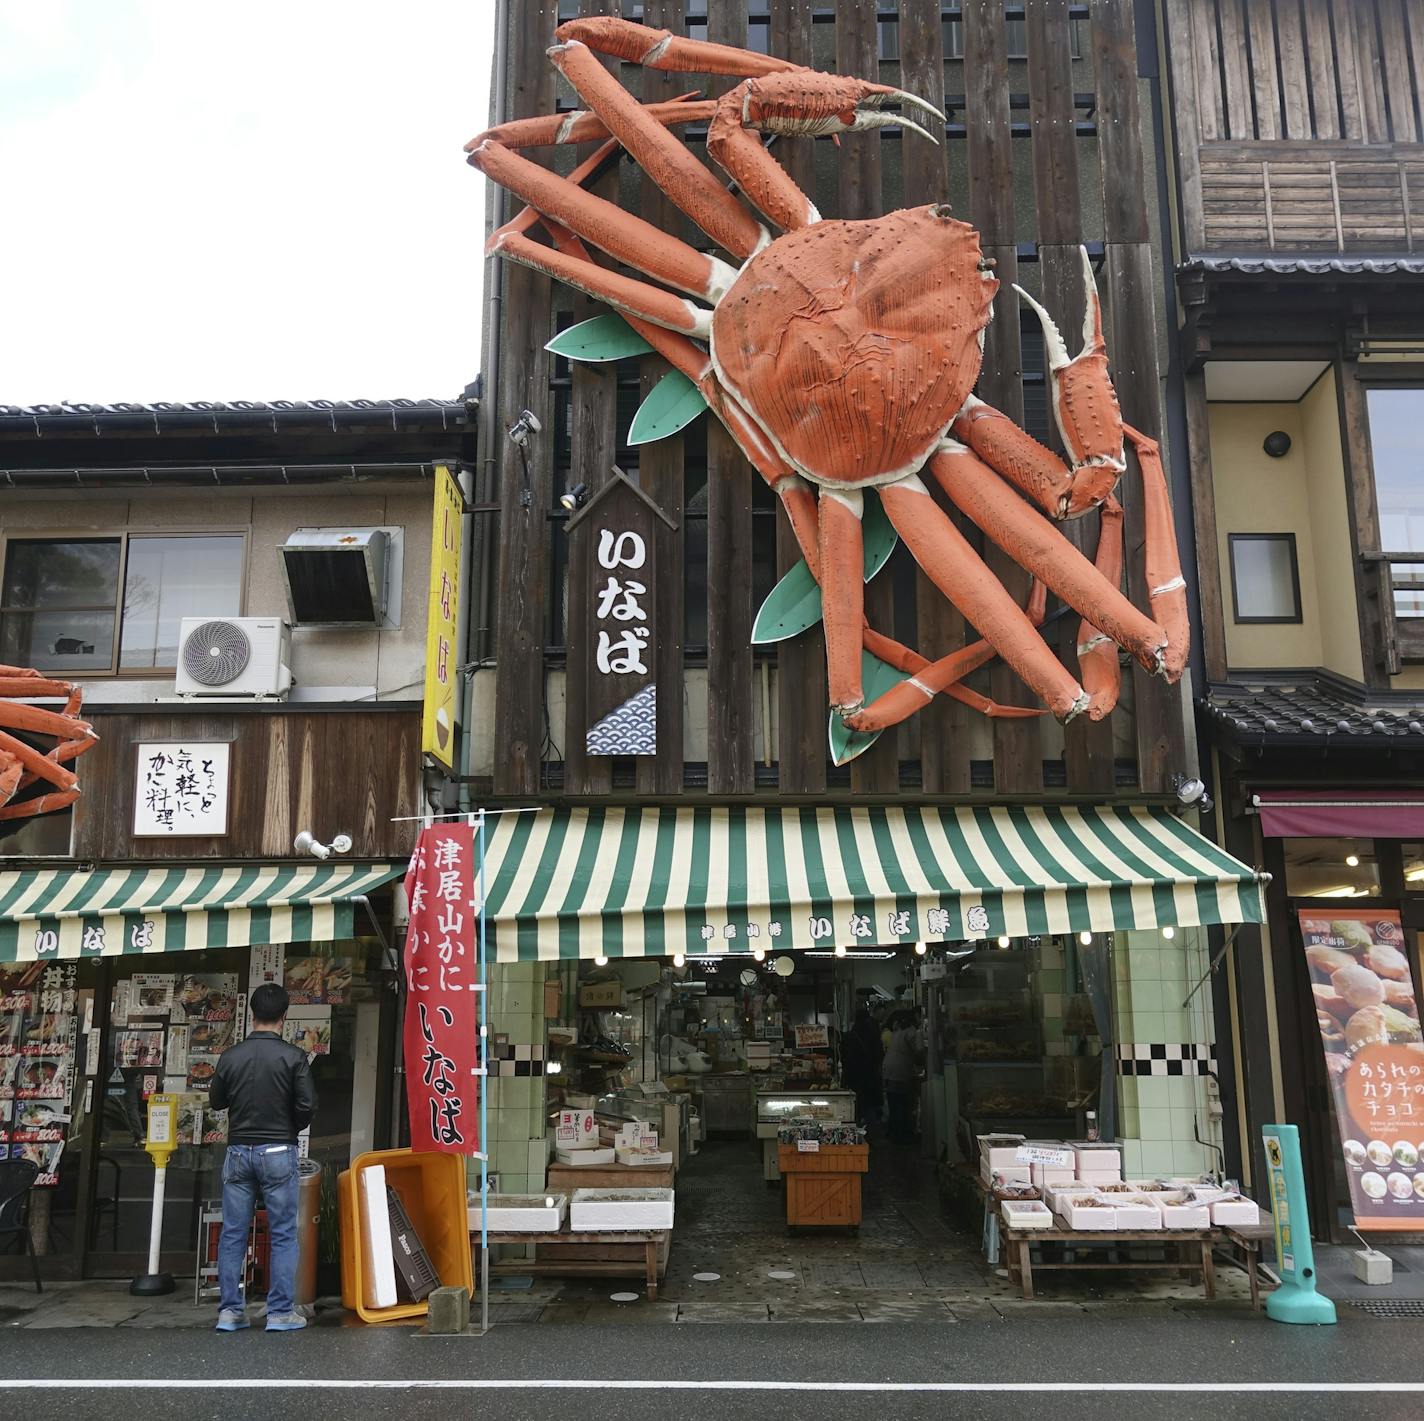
[(333, 772), (1299, 124), (1016, 127)]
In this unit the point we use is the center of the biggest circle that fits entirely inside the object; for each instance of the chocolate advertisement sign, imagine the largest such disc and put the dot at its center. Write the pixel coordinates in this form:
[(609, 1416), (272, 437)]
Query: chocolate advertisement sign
[(1367, 1009)]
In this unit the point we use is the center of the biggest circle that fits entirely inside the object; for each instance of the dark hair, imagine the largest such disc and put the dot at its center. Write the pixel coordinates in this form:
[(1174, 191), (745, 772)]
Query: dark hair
[(269, 1002)]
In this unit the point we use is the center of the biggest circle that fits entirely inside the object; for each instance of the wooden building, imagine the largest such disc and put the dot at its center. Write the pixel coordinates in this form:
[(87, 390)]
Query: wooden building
[(1300, 154), (289, 545)]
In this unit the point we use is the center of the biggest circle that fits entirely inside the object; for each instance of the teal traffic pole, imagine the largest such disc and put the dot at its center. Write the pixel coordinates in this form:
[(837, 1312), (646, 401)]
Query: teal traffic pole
[(1296, 1300)]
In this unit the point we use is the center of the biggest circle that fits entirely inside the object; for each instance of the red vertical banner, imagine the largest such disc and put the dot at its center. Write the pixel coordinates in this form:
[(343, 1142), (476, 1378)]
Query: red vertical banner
[(442, 1052), (1368, 1014)]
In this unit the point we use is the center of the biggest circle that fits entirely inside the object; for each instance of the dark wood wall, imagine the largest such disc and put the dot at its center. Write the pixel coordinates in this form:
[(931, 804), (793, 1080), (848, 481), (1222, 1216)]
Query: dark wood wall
[(333, 772), (1300, 123), (1049, 144)]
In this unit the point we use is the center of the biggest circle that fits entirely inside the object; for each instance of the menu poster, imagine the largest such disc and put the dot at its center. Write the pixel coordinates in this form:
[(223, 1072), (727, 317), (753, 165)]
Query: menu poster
[(1367, 1010), (309, 1028), (152, 992), (265, 965), (176, 1061), (811, 1035), (139, 1048), (319, 981), (209, 996)]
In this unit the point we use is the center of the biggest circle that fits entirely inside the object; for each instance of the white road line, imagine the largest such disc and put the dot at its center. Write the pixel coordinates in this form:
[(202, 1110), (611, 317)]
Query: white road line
[(625, 1384)]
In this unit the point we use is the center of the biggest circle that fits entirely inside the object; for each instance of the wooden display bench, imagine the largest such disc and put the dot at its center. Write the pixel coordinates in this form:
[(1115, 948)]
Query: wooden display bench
[(565, 1178), (1193, 1246), (630, 1253), (823, 1186)]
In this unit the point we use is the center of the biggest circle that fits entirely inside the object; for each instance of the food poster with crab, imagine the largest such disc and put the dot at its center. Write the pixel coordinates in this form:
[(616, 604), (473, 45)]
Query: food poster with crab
[(1367, 1009), (39, 1029)]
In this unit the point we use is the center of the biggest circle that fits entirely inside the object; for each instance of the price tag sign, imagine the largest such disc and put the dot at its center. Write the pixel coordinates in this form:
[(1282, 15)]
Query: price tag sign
[(1046, 1155), (808, 1147)]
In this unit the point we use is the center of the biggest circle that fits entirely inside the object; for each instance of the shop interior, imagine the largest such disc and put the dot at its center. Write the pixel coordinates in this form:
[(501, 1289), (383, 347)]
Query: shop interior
[(729, 1054)]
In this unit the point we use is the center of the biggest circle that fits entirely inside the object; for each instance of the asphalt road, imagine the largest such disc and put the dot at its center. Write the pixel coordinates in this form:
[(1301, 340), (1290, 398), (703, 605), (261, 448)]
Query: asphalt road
[(1061, 1368)]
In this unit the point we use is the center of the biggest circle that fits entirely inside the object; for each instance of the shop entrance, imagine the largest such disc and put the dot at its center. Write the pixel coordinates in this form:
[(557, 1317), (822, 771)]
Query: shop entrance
[(734, 1059)]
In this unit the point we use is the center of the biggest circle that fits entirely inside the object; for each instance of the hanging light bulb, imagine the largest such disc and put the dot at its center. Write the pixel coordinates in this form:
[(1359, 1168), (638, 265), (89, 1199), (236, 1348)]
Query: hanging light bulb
[(678, 960), (600, 962), (1004, 939), (1086, 938), (921, 948), (759, 954), (1353, 860), (840, 950), (1169, 932)]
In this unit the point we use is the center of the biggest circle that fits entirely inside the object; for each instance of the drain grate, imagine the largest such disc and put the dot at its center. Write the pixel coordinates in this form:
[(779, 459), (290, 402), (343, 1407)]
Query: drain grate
[(1395, 1308)]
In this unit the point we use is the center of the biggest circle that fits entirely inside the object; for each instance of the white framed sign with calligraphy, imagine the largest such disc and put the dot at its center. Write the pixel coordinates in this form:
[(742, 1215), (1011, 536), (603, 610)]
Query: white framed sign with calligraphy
[(181, 789)]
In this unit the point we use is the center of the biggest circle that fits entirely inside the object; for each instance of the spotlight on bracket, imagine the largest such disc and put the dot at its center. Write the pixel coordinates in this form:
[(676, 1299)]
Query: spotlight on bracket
[(307, 843), (523, 427), (1191, 793), (571, 500)]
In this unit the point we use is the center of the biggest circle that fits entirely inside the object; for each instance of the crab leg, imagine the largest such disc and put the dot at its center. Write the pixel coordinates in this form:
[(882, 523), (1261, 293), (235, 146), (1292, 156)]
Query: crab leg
[(661, 155), (581, 126), (622, 235), (661, 49), (41, 767), (1037, 545), (1166, 587), (45, 804), (957, 570), (842, 596), (1097, 652)]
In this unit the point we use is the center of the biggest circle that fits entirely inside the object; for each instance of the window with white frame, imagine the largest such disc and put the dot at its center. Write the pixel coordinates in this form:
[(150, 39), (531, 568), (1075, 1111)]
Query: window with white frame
[(96, 606)]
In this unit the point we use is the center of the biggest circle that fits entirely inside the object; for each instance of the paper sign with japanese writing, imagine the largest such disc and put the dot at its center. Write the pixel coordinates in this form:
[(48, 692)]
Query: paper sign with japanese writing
[(1367, 1009), (181, 789), (442, 1004), (810, 1035)]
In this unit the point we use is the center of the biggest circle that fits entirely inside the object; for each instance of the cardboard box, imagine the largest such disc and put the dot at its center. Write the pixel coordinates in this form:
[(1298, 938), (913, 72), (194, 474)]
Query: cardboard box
[(1178, 1213), (601, 994), (575, 1130), (578, 1158), (1086, 1211)]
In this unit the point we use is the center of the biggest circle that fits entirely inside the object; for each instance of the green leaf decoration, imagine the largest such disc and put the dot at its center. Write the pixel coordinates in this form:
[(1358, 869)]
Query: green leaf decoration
[(673, 402), (877, 677), (795, 602), (606, 337)]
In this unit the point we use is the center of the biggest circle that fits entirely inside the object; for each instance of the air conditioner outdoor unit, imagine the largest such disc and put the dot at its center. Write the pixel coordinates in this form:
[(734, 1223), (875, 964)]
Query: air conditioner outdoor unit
[(234, 656)]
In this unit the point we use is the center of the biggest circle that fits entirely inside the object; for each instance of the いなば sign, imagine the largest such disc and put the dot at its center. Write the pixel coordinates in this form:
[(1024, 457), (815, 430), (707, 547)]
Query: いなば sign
[(1367, 1010), (442, 979), (181, 789), (437, 737)]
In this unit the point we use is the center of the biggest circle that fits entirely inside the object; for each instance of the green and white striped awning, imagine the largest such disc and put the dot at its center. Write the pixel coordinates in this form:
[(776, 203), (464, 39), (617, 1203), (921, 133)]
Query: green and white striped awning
[(105, 912), (648, 882)]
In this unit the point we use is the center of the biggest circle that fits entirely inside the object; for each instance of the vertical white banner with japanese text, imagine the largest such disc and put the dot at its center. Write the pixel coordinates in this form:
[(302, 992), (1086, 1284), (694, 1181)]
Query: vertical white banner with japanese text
[(442, 1054)]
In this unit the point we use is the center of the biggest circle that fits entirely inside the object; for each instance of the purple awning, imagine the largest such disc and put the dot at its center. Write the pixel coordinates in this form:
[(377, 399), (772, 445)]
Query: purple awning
[(1340, 814)]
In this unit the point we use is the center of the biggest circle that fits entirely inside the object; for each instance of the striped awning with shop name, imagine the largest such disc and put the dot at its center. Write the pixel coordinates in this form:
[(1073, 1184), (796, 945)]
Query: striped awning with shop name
[(648, 882), (106, 912)]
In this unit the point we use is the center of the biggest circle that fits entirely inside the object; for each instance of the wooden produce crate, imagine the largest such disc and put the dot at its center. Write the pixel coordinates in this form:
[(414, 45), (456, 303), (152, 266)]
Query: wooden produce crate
[(823, 1186)]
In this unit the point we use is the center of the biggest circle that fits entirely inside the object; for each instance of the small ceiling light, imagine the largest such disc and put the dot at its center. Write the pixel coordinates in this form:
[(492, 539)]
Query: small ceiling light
[(1353, 860), (1169, 932), (759, 954), (1277, 444), (553, 1068), (1004, 939), (840, 950), (571, 500), (600, 962), (921, 948), (1086, 938), (678, 960)]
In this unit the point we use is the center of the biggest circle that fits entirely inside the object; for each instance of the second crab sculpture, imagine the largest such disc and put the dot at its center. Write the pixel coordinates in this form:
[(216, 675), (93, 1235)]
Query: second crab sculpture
[(842, 357)]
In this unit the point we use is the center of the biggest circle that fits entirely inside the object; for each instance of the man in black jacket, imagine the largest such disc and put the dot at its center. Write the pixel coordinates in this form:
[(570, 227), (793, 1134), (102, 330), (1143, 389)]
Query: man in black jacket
[(265, 1085)]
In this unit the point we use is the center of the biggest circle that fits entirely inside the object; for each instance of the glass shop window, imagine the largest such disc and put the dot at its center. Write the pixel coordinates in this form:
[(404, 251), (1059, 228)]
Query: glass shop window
[(1332, 868), (99, 605), (1395, 416), (1265, 579)]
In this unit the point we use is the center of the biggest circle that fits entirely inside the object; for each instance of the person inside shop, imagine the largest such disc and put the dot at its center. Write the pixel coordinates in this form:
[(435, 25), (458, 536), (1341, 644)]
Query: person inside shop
[(902, 1068), (861, 1057), (265, 1085)]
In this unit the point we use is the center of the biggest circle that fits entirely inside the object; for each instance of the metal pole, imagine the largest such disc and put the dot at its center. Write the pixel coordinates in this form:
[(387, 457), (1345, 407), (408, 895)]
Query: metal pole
[(484, 1108), (155, 1227)]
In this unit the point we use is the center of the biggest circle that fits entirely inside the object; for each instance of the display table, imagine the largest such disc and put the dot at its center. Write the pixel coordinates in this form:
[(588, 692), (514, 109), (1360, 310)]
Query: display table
[(1248, 1238), (565, 1178), (1193, 1247), (601, 1255), (823, 1185)]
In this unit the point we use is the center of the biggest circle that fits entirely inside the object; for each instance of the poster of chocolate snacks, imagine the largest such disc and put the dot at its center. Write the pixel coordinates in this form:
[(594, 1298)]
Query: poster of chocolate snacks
[(1368, 1012)]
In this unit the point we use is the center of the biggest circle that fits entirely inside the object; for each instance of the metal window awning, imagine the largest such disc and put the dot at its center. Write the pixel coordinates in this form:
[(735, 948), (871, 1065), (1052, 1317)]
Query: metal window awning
[(649, 882), (1340, 814), (107, 912)]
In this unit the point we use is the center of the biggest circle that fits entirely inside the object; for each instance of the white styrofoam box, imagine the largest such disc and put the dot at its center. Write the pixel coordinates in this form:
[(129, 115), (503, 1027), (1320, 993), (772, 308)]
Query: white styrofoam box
[(1042, 1175), (522, 1213), (996, 1151), (1098, 1159), (600, 1155), (609, 1210), (1177, 1213), (1009, 1173), (378, 1262), (1026, 1214), (1086, 1211), (1234, 1209), (1151, 1186), (642, 1156), (1136, 1212)]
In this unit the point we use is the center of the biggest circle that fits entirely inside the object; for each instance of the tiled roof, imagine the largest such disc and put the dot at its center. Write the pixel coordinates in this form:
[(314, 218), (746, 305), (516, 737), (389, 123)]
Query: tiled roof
[(1314, 710), (235, 415), (1307, 265)]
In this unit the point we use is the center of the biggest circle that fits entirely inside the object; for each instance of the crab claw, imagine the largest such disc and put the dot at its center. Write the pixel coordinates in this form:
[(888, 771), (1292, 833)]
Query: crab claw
[(810, 103), (1085, 406)]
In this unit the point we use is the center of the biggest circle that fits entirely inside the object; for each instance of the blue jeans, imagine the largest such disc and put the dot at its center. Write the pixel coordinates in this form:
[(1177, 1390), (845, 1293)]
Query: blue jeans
[(250, 1172)]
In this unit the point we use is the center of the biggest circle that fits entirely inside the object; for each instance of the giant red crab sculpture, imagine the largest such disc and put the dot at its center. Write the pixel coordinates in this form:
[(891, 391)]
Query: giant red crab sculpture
[(842, 356), (21, 764)]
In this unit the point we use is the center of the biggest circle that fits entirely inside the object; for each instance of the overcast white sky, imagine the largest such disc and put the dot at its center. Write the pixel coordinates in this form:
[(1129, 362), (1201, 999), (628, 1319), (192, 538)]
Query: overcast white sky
[(256, 201)]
